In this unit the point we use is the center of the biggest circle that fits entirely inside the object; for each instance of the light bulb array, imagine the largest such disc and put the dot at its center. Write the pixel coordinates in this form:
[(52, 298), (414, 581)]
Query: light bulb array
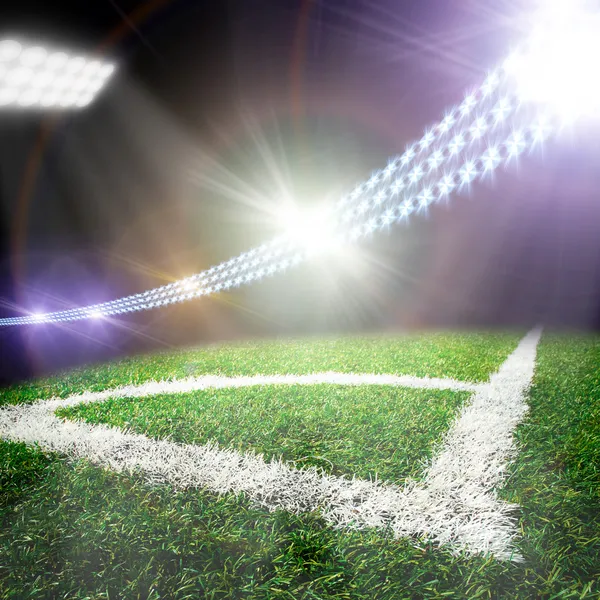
[(488, 129), (33, 77)]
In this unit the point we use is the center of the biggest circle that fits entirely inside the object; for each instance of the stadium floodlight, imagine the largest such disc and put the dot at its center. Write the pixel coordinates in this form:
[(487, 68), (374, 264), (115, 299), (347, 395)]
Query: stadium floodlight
[(34, 77), (557, 65)]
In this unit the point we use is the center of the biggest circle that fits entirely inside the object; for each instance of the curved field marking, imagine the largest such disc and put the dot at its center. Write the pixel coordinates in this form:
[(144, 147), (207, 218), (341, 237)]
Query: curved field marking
[(204, 382), (454, 505)]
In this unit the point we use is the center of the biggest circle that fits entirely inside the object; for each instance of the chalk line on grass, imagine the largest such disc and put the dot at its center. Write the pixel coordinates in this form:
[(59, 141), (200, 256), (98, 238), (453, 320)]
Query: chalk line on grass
[(455, 504), (204, 382)]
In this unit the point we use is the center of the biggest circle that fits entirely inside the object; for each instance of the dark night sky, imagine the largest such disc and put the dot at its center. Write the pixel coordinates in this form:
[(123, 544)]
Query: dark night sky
[(217, 107)]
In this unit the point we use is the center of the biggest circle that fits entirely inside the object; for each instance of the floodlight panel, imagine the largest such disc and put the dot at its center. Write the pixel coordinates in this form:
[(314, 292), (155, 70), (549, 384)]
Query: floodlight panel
[(32, 76)]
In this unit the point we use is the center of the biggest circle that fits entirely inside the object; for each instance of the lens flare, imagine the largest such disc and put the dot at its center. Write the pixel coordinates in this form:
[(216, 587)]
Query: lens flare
[(308, 230), (557, 66)]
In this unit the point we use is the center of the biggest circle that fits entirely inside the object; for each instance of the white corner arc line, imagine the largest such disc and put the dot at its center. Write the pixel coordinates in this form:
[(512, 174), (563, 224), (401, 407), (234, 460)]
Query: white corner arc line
[(455, 504), (204, 382)]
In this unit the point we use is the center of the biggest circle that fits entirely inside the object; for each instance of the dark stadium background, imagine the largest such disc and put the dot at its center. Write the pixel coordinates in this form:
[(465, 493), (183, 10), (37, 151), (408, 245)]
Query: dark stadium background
[(215, 107)]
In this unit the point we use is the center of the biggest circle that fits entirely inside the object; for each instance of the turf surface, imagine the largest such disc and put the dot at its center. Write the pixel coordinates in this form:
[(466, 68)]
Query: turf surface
[(78, 531), (463, 356), (367, 431)]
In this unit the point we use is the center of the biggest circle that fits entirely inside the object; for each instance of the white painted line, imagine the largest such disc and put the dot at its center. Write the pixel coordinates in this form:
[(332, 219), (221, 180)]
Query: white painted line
[(192, 384), (454, 505), (463, 478)]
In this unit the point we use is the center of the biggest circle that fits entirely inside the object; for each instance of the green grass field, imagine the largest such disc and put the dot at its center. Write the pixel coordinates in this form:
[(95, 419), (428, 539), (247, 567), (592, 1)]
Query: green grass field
[(80, 531)]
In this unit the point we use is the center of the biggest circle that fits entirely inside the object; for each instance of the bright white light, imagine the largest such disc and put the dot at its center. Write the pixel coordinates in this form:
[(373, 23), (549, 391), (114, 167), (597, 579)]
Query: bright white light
[(379, 198), (491, 159), (541, 129), (435, 160), (426, 198), (501, 110), (68, 100), (189, 285), (468, 103), (9, 50), (491, 83), (18, 76), (32, 76), (75, 65), (50, 99), (426, 140), (397, 186), (92, 68), (456, 145), (8, 95), (311, 230), (388, 217), (57, 60), (515, 144), (558, 65), (43, 80), (29, 98), (64, 81), (468, 172), (478, 128), (447, 123), (446, 185), (408, 155), (416, 174), (373, 181), (406, 208), (33, 57), (107, 71)]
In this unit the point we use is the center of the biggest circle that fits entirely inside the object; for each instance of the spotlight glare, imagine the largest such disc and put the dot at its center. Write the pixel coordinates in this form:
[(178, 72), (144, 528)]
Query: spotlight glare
[(309, 230), (500, 127), (557, 66)]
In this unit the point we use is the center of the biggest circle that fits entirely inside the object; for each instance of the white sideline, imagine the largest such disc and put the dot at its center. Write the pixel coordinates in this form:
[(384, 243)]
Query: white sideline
[(455, 504)]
